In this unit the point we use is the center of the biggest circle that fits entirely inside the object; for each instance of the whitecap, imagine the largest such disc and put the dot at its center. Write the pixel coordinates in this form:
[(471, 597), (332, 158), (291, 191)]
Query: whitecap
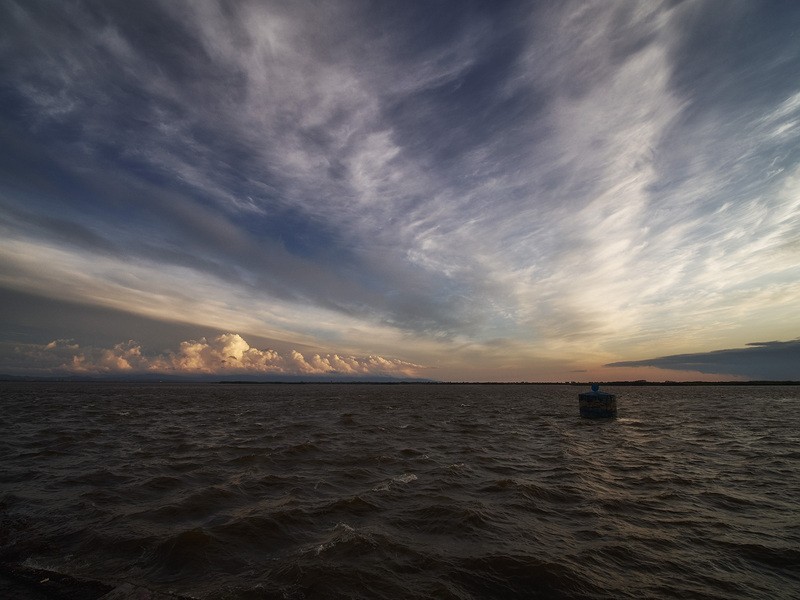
[(341, 533), (405, 478)]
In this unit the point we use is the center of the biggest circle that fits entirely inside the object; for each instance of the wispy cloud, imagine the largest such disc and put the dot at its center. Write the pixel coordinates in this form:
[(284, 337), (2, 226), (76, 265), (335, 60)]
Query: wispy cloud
[(572, 180)]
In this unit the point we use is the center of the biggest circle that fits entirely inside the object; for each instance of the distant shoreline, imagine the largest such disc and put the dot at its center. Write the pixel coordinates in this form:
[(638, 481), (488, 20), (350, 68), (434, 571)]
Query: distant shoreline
[(332, 381)]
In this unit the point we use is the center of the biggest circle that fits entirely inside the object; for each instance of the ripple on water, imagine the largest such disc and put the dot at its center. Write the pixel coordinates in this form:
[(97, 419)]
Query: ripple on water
[(245, 492)]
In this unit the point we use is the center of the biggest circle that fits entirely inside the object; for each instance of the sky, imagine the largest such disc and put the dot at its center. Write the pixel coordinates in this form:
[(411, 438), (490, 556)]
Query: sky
[(446, 190)]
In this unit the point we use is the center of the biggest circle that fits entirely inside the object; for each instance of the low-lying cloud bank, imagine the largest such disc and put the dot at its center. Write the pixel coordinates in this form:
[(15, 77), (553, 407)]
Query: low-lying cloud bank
[(759, 360), (226, 354)]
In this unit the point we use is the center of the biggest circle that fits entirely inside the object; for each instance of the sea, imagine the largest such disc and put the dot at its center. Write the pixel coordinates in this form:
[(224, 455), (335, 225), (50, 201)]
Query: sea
[(412, 491)]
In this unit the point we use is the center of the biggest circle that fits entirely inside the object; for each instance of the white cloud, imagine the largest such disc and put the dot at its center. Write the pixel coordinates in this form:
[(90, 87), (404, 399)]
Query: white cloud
[(226, 354)]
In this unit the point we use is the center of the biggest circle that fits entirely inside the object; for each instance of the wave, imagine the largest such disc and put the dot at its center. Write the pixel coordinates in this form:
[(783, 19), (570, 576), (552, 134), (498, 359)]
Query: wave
[(245, 493)]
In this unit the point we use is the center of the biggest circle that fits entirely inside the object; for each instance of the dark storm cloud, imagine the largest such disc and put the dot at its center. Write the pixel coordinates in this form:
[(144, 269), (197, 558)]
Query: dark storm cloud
[(760, 360)]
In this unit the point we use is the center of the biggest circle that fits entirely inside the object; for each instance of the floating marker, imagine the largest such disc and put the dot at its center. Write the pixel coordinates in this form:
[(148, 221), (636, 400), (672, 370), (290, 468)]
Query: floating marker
[(597, 404)]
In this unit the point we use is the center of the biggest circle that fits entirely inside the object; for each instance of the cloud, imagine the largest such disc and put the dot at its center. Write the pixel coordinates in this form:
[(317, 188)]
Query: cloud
[(226, 354), (570, 177), (760, 360)]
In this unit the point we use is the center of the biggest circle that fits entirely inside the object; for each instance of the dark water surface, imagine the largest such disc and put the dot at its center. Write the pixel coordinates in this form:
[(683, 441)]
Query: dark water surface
[(405, 491)]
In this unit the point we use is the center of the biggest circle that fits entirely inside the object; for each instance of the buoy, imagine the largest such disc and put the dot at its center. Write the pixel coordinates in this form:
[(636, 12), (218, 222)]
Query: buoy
[(597, 404)]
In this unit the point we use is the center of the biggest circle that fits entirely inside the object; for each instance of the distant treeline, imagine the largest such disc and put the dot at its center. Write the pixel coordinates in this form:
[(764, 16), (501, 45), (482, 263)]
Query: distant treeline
[(376, 381), (568, 383), (641, 382), (667, 383)]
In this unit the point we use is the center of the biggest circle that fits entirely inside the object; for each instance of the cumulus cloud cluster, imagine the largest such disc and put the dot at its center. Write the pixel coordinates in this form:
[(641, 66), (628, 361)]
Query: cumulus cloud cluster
[(228, 353)]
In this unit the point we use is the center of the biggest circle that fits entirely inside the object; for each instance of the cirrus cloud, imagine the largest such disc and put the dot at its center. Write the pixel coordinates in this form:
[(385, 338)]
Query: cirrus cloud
[(582, 181)]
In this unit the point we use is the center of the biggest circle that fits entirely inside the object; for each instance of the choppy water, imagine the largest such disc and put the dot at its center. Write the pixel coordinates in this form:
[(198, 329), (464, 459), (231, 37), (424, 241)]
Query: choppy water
[(405, 491)]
